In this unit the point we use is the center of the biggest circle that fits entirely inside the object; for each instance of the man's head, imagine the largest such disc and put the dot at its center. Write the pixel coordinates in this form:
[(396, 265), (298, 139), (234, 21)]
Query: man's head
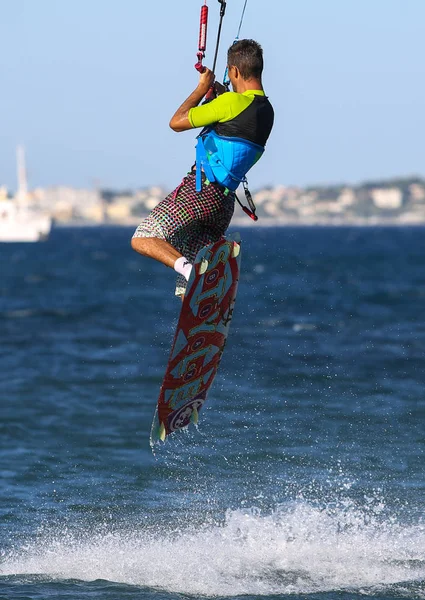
[(246, 56)]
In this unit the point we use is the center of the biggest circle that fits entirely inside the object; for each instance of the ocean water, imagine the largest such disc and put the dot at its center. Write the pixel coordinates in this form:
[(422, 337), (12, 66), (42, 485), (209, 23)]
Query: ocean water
[(305, 477)]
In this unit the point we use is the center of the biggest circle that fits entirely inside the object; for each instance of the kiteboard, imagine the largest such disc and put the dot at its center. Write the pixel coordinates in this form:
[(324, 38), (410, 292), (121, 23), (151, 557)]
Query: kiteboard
[(200, 337)]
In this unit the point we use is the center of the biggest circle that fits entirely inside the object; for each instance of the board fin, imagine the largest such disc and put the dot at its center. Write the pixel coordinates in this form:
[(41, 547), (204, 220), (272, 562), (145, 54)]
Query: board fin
[(194, 417), (203, 266), (162, 433), (236, 249)]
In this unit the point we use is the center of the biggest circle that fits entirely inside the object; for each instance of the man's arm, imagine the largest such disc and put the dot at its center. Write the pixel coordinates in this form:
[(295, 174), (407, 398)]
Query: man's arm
[(180, 120)]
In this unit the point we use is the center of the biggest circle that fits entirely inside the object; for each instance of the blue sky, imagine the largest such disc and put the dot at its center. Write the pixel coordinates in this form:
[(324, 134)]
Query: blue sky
[(89, 86)]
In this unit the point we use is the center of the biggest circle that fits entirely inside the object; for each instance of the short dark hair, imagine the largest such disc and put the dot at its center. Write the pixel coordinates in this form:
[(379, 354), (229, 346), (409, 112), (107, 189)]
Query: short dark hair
[(247, 56)]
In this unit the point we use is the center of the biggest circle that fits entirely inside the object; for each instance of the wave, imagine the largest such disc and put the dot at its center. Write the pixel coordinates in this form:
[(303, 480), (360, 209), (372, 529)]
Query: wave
[(295, 549)]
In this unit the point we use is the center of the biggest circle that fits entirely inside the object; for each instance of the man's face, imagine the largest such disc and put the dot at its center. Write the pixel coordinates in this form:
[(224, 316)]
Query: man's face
[(233, 76)]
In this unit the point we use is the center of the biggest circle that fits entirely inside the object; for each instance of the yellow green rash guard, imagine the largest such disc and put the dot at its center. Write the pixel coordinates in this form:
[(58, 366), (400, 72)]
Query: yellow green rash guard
[(248, 116)]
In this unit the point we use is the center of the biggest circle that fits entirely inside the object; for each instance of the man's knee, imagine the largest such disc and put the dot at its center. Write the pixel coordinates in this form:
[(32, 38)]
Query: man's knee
[(134, 243), (147, 246), (138, 244)]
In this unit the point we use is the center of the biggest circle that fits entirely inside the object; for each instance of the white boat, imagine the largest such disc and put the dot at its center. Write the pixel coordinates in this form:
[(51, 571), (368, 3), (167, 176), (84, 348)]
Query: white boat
[(22, 224), (20, 219)]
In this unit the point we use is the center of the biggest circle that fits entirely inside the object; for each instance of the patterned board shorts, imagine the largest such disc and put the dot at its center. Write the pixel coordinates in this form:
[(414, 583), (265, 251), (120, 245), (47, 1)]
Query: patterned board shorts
[(189, 220)]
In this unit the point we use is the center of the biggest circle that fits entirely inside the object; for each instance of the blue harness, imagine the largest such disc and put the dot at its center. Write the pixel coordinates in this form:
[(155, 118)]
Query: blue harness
[(224, 160)]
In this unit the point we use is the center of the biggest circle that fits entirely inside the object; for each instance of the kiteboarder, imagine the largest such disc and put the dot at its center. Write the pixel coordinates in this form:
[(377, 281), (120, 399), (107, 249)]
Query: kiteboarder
[(236, 126)]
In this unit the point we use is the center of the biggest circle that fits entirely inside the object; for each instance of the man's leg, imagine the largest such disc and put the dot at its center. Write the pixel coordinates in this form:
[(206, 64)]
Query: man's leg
[(180, 225), (156, 248), (163, 252)]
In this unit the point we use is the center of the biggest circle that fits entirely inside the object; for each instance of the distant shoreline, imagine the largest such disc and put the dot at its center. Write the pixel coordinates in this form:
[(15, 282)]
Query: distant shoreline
[(396, 202), (262, 223)]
